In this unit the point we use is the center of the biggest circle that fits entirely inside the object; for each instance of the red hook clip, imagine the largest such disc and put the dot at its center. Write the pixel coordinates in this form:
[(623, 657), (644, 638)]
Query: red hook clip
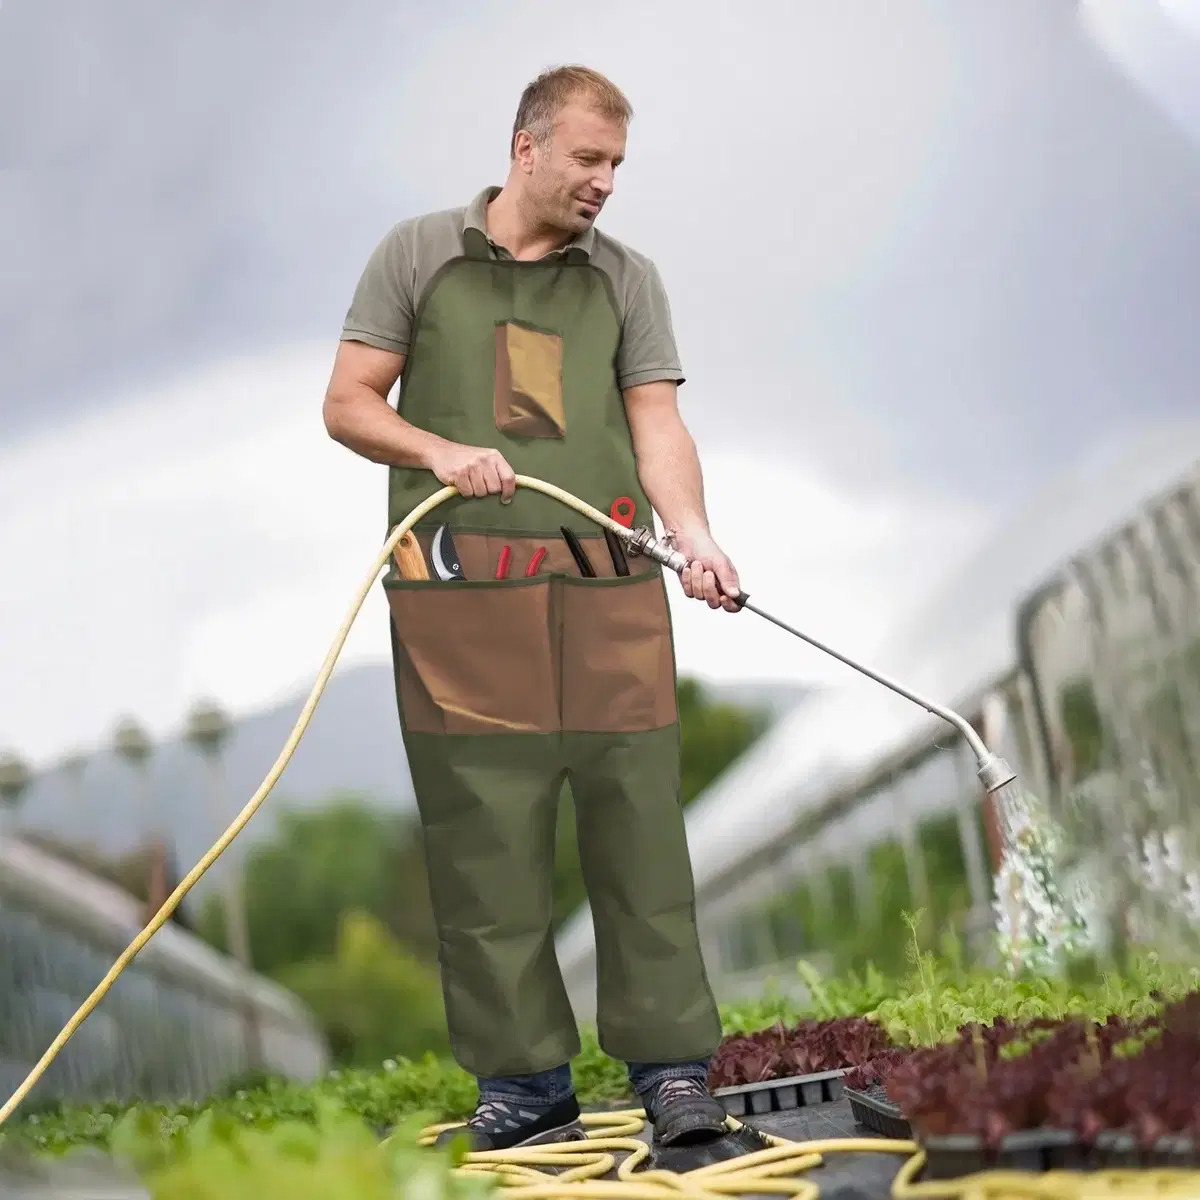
[(623, 517)]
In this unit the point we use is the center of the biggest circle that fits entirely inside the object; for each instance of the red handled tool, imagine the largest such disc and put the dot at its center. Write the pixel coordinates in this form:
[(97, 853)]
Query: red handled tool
[(622, 511), (502, 565), (535, 562)]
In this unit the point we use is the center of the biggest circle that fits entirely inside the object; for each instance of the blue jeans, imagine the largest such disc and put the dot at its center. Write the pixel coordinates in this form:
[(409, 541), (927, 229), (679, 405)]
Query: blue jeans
[(549, 1087)]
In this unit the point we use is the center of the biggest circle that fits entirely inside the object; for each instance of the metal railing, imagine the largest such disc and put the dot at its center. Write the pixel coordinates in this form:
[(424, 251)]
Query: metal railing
[(174, 1025)]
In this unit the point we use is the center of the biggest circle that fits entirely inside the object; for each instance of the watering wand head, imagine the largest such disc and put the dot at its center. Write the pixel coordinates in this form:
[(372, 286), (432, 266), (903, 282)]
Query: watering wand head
[(994, 772)]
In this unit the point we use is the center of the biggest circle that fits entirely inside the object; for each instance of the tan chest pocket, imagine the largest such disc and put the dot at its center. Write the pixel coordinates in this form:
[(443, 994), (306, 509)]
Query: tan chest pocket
[(529, 381)]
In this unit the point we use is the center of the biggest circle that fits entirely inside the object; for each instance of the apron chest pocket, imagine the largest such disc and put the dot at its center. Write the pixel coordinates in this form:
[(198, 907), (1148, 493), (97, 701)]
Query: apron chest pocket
[(529, 381)]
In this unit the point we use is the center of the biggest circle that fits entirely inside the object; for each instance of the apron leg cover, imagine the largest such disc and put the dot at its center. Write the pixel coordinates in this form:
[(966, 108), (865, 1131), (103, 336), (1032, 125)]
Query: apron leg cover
[(654, 1004), (489, 807)]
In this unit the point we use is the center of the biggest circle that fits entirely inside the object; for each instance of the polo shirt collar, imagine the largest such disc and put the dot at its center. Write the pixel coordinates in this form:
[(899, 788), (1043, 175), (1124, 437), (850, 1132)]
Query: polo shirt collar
[(475, 218)]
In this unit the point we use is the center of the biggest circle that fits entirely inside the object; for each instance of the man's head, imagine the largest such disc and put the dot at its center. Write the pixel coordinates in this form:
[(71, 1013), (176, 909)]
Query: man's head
[(568, 140)]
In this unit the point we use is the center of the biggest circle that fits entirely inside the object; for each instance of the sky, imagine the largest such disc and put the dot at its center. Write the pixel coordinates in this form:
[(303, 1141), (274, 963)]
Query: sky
[(922, 255)]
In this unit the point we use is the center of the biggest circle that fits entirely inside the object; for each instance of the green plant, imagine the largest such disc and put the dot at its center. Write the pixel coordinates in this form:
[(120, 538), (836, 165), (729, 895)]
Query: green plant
[(768, 1009), (849, 995), (374, 999), (335, 1157), (347, 855), (933, 1003)]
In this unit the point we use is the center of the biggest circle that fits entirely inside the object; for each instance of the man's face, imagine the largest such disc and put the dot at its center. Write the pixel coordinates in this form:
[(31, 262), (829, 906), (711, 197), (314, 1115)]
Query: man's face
[(572, 177)]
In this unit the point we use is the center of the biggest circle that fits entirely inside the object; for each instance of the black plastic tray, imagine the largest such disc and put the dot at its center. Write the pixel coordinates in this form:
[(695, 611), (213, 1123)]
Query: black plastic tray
[(951, 1156), (779, 1095), (872, 1109)]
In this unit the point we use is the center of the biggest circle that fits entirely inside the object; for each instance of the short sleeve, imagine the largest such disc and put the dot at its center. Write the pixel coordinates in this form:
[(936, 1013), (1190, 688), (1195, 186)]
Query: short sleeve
[(648, 352), (381, 310)]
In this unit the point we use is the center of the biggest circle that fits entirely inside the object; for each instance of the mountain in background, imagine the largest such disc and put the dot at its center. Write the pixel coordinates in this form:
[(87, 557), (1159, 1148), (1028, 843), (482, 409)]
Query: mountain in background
[(352, 744)]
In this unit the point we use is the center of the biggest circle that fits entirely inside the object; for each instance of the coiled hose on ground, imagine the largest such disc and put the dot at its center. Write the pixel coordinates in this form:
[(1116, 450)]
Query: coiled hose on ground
[(578, 1167)]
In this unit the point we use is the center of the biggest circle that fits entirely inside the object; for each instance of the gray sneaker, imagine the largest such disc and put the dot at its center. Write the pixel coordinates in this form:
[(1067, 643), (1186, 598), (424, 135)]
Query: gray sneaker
[(502, 1124), (683, 1111)]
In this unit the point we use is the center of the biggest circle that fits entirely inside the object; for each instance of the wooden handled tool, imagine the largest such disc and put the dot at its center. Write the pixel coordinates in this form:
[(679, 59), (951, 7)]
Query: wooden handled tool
[(409, 560)]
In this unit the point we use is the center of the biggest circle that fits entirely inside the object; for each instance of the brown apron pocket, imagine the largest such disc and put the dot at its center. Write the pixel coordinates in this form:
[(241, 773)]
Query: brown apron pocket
[(618, 661), (529, 388), (475, 656)]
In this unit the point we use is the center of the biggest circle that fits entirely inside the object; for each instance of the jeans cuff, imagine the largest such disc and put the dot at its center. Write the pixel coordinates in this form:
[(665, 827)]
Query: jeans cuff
[(645, 1077), (542, 1088)]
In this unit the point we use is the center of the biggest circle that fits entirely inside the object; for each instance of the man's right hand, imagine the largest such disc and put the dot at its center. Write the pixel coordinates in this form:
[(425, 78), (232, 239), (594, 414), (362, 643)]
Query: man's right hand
[(474, 470)]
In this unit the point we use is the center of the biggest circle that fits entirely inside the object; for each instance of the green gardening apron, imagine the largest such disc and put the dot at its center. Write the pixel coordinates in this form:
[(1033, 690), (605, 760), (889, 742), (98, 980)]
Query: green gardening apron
[(508, 687)]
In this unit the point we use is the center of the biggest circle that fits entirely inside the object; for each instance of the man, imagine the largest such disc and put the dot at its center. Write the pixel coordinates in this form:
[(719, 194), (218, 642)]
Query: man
[(526, 341)]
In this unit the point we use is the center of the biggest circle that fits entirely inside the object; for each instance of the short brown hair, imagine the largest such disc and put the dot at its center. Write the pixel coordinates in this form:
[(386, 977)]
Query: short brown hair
[(552, 90)]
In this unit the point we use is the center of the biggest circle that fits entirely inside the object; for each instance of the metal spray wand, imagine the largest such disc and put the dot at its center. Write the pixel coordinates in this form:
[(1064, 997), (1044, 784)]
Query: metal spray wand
[(994, 773)]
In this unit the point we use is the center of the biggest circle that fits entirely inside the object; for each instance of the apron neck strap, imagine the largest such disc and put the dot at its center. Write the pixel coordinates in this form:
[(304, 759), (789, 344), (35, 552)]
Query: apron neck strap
[(476, 244)]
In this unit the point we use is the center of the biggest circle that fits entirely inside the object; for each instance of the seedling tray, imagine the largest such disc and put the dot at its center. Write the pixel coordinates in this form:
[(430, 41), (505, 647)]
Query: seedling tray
[(779, 1095), (873, 1110), (952, 1156)]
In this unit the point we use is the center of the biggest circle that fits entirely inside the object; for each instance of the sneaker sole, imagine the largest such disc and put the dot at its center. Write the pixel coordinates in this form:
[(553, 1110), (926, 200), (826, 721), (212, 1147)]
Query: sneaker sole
[(572, 1132), (689, 1130)]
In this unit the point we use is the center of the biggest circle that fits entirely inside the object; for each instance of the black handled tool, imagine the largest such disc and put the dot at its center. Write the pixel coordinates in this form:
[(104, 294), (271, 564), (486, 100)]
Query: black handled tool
[(445, 556), (616, 552), (577, 553)]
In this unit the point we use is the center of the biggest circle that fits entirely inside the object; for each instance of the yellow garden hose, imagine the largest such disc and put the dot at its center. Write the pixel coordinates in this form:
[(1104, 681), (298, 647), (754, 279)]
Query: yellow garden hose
[(239, 823), (579, 1166)]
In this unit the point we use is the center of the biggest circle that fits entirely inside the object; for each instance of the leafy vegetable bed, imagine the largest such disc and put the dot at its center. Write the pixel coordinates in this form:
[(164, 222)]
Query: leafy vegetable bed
[(1042, 1093), (966, 1054)]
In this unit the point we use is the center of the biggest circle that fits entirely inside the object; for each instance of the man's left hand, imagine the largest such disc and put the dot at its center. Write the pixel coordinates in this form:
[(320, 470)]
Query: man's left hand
[(710, 576)]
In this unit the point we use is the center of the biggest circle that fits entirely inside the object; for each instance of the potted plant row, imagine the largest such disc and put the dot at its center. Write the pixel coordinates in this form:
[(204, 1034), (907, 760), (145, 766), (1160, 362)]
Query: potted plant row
[(785, 1067), (1043, 1094)]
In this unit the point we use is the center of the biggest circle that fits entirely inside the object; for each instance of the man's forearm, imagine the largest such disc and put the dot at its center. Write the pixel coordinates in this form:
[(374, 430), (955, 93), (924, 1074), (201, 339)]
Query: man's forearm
[(669, 470), (358, 418)]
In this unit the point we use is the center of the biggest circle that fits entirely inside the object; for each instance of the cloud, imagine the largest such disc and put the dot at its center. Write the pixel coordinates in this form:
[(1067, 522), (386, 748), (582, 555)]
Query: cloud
[(1186, 14), (181, 183), (125, 532), (840, 567), (920, 240), (1156, 45), (206, 539), (919, 256)]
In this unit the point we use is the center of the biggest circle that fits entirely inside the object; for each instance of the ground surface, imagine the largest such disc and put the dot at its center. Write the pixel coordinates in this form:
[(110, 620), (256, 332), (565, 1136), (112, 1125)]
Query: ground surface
[(841, 1177)]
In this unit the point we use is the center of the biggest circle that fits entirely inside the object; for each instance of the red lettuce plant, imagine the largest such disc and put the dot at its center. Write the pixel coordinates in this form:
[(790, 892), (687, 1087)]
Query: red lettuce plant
[(807, 1048)]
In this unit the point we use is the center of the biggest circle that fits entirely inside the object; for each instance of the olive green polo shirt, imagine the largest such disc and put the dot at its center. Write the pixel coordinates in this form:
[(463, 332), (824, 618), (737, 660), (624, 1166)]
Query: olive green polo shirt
[(403, 263)]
